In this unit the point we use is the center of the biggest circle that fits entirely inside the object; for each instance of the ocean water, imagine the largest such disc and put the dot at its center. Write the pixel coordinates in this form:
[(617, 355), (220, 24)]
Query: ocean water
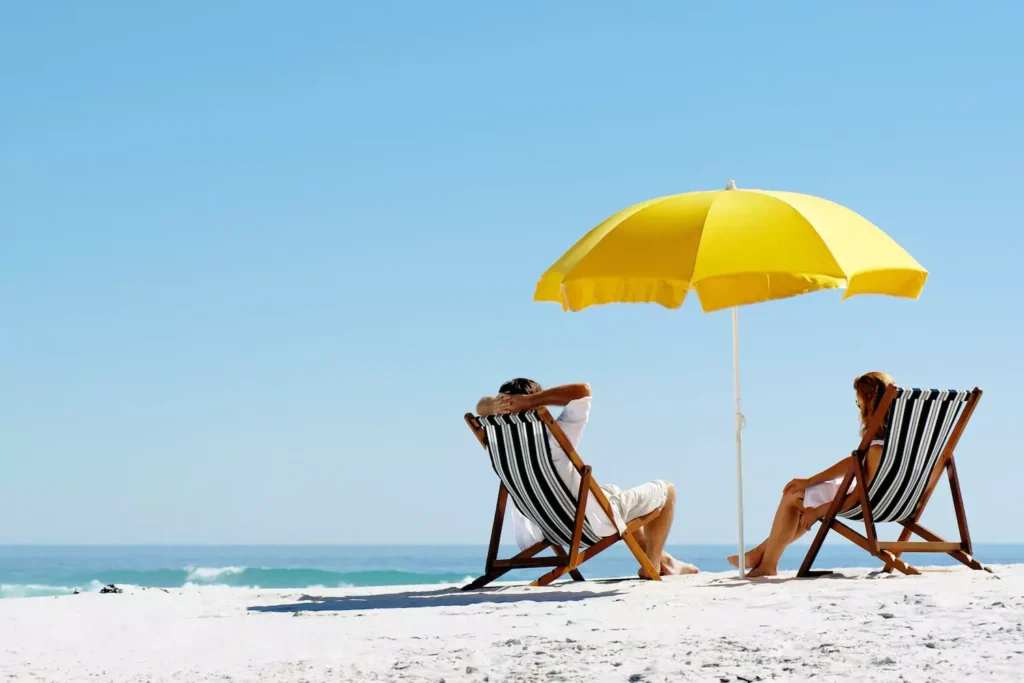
[(37, 571)]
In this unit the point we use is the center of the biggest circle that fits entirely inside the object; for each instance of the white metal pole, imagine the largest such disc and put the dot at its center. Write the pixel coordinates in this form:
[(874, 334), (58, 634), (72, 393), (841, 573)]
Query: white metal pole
[(739, 438)]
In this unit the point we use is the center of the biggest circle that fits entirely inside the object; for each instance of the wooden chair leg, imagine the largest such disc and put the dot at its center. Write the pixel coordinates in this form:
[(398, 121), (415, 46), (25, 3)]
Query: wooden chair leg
[(581, 518), (574, 573), (969, 560), (812, 553), (958, 506), (602, 545), (653, 573), (559, 572), (499, 520), (904, 536), (958, 555), (553, 575), (865, 544), (826, 525), (865, 505), (890, 559), (496, 573)]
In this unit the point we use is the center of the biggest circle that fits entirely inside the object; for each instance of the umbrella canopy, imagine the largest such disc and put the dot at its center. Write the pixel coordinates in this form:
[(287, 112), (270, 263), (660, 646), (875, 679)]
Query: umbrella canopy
[(733, 247)]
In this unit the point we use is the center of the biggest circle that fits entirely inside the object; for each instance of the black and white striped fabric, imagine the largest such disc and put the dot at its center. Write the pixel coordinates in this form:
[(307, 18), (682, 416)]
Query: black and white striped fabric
[(521, 457), (917, 429)]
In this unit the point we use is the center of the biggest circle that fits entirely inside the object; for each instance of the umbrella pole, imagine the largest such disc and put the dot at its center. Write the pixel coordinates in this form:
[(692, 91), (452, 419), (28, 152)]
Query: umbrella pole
[(739, 439)]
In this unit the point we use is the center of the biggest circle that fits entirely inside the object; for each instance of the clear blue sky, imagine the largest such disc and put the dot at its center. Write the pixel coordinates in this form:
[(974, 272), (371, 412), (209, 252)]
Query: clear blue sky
[(257, 259)]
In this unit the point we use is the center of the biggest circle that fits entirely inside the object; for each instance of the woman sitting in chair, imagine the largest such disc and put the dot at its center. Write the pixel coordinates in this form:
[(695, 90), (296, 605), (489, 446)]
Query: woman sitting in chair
[(805, 501)]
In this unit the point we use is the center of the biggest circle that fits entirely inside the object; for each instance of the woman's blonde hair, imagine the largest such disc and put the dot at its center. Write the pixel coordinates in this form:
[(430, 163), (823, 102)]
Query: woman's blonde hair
[(870, 387)]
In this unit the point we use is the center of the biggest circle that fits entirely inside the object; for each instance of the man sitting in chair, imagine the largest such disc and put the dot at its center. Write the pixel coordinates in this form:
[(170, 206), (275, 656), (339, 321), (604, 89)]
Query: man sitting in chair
[(524, 394)]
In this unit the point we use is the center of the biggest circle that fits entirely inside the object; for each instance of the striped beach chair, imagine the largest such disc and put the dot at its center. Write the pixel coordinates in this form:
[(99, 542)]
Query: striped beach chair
[(921, 428), (520, 454)]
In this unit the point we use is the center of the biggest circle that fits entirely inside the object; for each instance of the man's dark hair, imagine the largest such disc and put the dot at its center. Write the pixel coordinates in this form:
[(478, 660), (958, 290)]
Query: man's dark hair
[(520, 387)]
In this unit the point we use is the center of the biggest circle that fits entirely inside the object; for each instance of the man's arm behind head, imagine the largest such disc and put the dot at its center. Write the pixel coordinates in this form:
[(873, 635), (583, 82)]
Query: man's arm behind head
[(558, 396), (517, 403)]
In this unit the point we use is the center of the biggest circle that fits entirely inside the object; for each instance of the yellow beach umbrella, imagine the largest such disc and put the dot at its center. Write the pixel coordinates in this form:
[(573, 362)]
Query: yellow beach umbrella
[(732, 247)]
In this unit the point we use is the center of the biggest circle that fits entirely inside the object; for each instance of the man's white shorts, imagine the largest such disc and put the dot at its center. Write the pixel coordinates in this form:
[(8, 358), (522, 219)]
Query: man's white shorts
[(637, 501)]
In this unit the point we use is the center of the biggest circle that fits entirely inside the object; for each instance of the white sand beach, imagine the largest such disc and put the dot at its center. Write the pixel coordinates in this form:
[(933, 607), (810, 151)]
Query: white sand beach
[(947, 625)]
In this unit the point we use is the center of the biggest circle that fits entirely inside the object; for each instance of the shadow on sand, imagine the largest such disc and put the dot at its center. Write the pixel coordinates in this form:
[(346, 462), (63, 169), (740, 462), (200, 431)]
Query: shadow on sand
[(445, 597), (734, 582)]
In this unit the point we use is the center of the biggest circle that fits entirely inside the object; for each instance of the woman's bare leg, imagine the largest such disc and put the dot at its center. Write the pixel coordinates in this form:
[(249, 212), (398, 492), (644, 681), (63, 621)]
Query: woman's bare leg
[(785, 529), (755, 555), (808, 516), (752, 558)]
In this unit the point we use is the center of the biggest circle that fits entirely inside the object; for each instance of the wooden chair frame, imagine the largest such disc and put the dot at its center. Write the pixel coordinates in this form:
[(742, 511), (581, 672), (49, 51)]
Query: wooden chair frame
[(564, 561), (890, 551)]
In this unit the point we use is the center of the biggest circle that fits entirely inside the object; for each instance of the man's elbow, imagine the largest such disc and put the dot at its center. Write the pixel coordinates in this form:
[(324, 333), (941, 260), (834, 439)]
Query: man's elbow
[(583, 390)]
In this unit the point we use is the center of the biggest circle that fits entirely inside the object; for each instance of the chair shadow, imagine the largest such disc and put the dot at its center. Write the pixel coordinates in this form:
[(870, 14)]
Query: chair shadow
[(445, 597), (835, 576)]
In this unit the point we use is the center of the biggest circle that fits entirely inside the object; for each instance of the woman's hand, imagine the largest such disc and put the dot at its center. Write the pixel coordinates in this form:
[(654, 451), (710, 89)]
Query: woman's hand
[(808, 516), (807, 519), (795, 486)]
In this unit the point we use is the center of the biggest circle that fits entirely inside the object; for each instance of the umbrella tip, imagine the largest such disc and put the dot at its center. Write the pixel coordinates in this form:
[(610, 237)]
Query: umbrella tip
[(731, 185)]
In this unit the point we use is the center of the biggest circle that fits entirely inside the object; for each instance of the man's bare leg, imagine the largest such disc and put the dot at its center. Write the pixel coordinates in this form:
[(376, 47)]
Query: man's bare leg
[(656, 531), (669, 565), (654, 534), (641, 538)]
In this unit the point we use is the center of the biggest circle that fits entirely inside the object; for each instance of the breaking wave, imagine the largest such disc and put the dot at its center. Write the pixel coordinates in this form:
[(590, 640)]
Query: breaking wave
[(231, 577)]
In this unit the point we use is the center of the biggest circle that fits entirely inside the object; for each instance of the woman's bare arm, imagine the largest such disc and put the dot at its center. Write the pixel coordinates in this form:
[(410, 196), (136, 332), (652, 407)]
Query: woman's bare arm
[(834, 472)]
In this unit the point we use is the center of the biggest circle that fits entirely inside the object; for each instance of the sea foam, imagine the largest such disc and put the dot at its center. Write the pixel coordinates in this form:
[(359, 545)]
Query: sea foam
[(209, 574)]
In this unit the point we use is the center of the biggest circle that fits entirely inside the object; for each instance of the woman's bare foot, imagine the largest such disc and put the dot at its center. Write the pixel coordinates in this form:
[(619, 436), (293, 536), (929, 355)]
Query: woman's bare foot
[(762, 570), (752, 559)]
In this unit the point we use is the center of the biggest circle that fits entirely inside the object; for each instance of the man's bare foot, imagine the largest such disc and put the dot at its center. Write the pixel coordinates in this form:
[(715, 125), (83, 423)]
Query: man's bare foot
[(643, 575), (753, 558), (670, 566), (761, 571)]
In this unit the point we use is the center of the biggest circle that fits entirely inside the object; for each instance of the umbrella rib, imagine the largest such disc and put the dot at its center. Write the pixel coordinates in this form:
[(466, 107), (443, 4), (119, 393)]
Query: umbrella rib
[(810, 226), (825, 244), (639, 208)]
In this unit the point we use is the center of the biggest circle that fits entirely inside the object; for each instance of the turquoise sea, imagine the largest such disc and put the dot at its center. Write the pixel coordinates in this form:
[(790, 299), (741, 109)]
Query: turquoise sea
[(35, 571)]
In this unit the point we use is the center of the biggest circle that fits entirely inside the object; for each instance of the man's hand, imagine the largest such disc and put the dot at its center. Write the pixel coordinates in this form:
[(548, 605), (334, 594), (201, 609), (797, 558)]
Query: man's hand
[(485, 406), (502, 404), (508, 403), (795, 486)]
